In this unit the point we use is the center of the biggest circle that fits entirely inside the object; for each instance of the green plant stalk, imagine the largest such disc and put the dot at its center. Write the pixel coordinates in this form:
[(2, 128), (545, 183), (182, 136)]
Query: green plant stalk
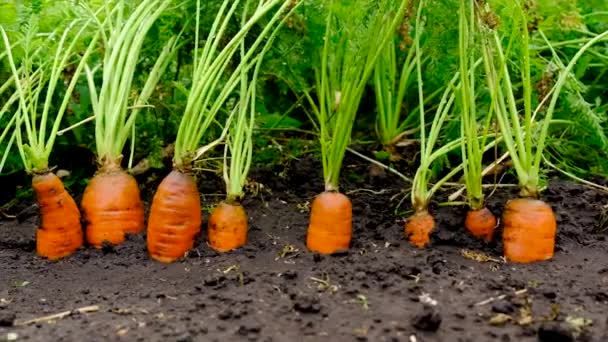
[(420, 196), (471, 145), (340, 85), (124, 39), (240, 142), (526, 158), (390, 92), (203, 102), (35, 154)]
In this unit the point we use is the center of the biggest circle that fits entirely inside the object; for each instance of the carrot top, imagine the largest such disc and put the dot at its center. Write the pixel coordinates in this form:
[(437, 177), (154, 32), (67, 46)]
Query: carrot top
[(355, 37), (123, 38), (38, 83)]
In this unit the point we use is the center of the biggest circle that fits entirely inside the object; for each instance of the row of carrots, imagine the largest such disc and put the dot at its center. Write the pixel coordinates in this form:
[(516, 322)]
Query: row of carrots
[(112, 208)]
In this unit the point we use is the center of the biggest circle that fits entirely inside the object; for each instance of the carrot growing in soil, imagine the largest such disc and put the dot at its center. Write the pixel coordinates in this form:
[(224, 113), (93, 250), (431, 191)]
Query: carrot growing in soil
[(59, 233), (479, 221), (175, 214), (227, 226), (420, 225), (529, 223), (111, 203), (354, 39)]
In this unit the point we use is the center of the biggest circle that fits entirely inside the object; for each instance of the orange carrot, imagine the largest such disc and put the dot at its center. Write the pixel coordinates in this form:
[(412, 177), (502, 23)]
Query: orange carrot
[(175, 218), (418, 228), (60, 233), (331, 223), (112, 207), (529, 230), (227, 229), (480, 223)]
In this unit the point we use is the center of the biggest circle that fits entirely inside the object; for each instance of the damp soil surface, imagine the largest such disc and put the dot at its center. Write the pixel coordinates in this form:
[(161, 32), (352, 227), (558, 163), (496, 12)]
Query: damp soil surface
[(383, 289)]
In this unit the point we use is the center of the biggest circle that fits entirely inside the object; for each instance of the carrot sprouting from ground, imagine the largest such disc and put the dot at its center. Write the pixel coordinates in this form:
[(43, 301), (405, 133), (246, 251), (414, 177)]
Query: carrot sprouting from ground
[(111, 204), (175, 215), (529, 230), (529, 223), (331, 221), (354, 41), (479, 221), (59, 233), (228, 226)]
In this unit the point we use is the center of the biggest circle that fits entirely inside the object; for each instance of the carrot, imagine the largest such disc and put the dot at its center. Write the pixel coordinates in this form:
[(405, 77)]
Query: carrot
[(480, 223), (175, 217), (529, 230), (59, 233), (418, 228), (112, 207), (330, 228), (227, 229)]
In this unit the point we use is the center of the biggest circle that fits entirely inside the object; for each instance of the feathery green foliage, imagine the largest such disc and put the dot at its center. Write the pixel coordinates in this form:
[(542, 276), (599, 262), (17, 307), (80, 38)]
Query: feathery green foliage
[(355, 37)]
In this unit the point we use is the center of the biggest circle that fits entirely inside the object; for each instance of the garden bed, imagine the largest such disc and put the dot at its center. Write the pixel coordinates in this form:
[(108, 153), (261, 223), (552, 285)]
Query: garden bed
[(274, 289)]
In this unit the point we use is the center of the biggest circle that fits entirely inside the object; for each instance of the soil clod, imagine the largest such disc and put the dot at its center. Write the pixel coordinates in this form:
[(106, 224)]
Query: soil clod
[(429, 319)]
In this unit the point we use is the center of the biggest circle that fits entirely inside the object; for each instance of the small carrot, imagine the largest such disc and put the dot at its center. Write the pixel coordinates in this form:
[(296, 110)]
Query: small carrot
[(227, 229), (175, 217), (112, 207), (418, 228), (59, 233), (330, 229), (529, 230), (480, 223)]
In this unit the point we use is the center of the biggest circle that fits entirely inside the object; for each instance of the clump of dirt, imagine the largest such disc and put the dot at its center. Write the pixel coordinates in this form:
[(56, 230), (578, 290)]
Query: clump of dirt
[(383, 289)]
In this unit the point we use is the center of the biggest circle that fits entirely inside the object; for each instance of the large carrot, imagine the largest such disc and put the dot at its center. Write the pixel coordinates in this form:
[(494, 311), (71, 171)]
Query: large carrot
[(175, 217), (227, 229), (529, 230), (111, 204), (529, 224), (112, 207), (353, 43), (60, 232), (330, 228)]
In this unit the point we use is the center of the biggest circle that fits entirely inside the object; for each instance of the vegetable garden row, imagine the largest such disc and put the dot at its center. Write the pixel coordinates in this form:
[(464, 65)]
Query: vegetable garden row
[(380, 45)]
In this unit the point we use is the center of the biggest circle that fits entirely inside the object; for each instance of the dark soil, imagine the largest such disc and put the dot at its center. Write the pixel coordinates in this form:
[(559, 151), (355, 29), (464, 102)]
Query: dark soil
[(275, 290)]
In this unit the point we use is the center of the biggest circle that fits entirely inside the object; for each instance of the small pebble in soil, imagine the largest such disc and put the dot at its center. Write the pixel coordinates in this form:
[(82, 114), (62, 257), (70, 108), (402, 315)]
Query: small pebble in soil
[(554, 332), (503, 306), (7, 318), (307, 304), (290, 274), (428, 319)]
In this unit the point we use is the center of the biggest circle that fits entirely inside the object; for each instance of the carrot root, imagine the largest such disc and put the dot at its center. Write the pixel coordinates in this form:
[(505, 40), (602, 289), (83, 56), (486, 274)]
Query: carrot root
[(330, 228), (175, 218), (112, 207), (227, 228), (418, 228), (60, 232), (529, 230), (481, 223)]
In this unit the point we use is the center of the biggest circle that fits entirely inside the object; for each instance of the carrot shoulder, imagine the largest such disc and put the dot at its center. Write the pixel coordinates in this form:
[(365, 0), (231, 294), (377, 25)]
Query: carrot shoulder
[(59, 233), (418, 228), (331, 223), (175, 218), (227, 228), (529, 230), (112, 207)]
